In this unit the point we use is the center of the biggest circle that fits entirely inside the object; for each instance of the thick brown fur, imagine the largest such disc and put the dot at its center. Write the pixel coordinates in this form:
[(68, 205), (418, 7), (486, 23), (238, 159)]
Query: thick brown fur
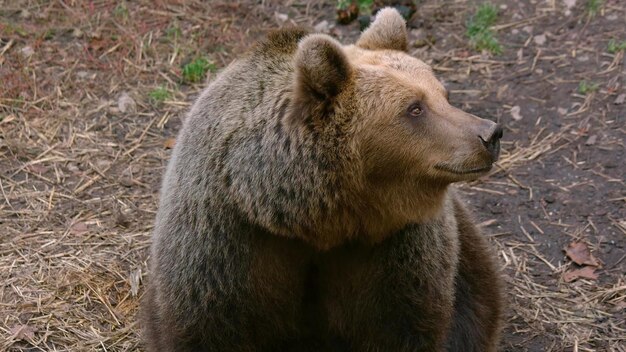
[(307, 207)]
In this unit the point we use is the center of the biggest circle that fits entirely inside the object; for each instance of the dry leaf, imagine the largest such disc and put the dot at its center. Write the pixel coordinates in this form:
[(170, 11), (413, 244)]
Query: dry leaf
[(23, 332), (135, 280), (582, 273), (487, 223), (591, 140), (569, 3), (38, 169), (78, 228), (515, 113), (580, 254), (169, 143), (540, 39)]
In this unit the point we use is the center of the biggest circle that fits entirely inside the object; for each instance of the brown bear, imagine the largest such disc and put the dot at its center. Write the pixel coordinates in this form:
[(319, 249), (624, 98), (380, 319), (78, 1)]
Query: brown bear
[(307, 206)]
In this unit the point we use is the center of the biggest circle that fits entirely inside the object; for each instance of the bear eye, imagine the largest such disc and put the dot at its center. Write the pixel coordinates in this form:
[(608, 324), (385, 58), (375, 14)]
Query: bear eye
[(415, 110)]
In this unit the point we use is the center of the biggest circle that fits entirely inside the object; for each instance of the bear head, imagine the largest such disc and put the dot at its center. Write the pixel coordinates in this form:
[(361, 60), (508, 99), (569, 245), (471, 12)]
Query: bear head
[(411, 143), (406, 126)]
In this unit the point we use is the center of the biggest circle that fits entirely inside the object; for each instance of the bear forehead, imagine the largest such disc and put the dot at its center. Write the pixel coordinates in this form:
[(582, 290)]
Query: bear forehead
[(396, 60), (397, 66)]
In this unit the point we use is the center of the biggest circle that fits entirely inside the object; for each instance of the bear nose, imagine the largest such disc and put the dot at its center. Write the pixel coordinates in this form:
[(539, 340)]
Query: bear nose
[(491, 140)]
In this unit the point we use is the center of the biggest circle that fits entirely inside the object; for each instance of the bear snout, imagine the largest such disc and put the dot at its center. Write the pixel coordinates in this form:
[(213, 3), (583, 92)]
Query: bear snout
[(490, 139)]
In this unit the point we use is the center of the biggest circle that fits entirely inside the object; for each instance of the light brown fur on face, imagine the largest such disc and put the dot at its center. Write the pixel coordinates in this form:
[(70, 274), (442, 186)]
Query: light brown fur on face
[(307, 207)]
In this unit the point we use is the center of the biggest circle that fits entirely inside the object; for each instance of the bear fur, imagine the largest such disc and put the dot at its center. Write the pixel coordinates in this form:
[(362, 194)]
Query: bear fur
[(307, 206)]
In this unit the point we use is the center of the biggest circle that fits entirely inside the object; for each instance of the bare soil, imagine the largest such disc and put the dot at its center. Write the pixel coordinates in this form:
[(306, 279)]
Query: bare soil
[(83, 147)]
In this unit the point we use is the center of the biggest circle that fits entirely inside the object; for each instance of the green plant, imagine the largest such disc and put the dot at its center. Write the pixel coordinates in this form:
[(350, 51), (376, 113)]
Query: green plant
[(173, 32), (365, 6), (585, 87), (160, 94), (593, 7), (49, 34), (614, 46), (121, 11), (196, 69), (13, 29), (479, 29)]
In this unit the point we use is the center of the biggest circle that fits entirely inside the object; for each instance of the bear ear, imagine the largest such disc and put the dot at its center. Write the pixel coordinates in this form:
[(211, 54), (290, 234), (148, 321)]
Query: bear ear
[(388, 31), (322, 68)]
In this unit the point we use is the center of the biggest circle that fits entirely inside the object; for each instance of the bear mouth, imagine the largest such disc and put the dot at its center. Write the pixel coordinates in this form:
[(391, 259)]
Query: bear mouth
[(458, 171)]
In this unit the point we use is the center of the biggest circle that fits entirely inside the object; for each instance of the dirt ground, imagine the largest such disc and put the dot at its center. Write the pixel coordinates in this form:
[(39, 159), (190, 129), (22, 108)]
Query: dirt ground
[(84, 142)]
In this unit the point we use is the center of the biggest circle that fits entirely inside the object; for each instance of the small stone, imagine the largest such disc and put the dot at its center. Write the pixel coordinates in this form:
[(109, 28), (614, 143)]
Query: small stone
[(562, 111), (281, 18), (549, 199), (122, 220), (601, 212), (322, 27), (77, 33), (126, 104), (620, 99), (27, 51), (126, 182)]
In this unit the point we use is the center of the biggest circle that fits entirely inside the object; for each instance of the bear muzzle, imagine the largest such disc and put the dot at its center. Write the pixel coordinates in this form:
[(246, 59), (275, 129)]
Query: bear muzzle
[(490, 139)]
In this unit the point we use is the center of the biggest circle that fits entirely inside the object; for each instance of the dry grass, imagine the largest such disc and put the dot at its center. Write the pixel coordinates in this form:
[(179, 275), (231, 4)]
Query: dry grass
[(80, 169)]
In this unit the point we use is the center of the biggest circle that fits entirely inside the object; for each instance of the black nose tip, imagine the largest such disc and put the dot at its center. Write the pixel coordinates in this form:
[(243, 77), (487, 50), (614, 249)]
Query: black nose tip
[(492, 142)]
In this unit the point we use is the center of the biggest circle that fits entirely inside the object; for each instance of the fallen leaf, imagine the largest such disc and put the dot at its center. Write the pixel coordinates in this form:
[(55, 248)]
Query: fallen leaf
[(23, 332), (515, 113), (580, 254), (38, 169), (587, 272), (135, 280), (540, 39), (569, 3), (169, 143), (487, 223), (79, 228), (591, 140)]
